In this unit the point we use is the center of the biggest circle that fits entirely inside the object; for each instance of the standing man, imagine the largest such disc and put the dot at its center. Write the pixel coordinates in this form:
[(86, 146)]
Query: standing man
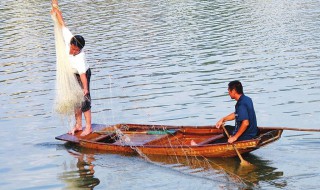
[(244, 115), (76, 55)]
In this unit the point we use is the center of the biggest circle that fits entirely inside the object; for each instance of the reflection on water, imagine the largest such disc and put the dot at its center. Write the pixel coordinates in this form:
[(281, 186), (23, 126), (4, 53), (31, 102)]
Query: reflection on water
[(227, 170), (165, 62), (80, 175)]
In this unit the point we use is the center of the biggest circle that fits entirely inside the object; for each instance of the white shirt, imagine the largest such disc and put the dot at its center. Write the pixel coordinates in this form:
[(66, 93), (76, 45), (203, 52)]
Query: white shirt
[(78, 62)]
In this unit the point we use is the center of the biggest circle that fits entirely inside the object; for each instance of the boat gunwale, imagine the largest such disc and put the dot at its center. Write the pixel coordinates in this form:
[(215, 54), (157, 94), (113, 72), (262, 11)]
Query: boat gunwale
[(257, 141)]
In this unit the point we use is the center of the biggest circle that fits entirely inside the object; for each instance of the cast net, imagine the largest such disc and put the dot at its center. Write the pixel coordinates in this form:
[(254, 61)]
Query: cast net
[(69, 94)]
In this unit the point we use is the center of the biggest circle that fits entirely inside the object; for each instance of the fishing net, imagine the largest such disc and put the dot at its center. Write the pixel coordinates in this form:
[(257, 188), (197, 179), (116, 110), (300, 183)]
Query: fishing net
[(69, 94)]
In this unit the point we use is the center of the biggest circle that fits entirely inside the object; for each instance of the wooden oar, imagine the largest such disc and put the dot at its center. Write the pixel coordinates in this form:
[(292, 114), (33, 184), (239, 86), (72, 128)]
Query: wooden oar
[(292, 129), (243, 161)]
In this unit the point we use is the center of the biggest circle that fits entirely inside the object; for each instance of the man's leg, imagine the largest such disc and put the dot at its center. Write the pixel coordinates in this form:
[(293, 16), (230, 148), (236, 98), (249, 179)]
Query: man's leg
[(78, 125), (88, 129)]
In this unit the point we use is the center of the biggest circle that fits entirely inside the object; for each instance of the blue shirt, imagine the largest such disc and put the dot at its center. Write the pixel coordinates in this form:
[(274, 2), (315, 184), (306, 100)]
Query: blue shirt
[(245, 111)]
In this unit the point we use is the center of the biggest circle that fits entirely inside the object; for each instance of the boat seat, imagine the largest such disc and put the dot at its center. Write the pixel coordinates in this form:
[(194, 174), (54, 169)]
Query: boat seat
[(211, 139), (139, 139), (100, 137)]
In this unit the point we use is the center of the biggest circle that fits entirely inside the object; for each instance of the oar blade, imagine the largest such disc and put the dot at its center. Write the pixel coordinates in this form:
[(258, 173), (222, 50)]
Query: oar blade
[(246, 163)]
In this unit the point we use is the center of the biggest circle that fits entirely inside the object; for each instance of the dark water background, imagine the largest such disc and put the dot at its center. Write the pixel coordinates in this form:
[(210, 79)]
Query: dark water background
[(162, 62)]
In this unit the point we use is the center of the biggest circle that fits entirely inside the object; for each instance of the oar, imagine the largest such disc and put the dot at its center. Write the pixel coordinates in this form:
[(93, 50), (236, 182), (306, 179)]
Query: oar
[(243, 161), (292, 129)]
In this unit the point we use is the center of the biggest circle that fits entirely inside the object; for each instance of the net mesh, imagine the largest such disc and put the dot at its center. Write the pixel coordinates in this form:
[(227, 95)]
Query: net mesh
[(69, 94)]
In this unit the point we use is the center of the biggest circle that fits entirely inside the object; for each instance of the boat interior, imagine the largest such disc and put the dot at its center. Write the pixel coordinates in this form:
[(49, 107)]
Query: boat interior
[(178, 137), (172, 137)]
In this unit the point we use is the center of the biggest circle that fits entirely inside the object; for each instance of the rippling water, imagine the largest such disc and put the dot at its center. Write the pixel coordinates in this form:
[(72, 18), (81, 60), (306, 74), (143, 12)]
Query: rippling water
[(162, 62)]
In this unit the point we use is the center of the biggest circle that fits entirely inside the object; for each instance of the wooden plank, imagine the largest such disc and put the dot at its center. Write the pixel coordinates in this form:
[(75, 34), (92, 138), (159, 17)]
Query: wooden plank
[(209, 140), (138, 139), (75, 138)]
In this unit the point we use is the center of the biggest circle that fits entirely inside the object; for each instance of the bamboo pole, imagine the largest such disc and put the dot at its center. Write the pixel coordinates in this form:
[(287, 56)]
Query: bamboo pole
[(291, 129)]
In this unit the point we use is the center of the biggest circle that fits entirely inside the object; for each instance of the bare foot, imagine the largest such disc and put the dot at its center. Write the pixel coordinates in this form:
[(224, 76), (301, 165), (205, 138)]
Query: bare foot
[(75, 129), (193, 143), (87, 131)]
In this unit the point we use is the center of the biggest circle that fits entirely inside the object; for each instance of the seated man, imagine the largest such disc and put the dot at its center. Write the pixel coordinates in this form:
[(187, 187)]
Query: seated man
[(244, 115)]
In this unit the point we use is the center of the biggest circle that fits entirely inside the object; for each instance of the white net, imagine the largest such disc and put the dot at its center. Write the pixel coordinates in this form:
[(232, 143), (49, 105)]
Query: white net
[(69, 94)]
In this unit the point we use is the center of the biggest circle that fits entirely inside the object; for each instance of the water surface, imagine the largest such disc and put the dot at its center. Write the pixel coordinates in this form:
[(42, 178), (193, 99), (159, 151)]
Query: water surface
[(162, 62)]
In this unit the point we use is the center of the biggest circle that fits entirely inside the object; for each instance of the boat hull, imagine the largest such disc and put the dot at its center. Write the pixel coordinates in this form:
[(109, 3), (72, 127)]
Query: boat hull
[(205, 141)]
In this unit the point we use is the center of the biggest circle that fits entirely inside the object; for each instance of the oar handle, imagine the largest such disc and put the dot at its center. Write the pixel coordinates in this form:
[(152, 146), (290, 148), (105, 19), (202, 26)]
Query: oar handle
[(225, 130)]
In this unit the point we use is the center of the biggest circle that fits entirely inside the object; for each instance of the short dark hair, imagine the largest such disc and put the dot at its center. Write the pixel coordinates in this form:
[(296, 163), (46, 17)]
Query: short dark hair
[(78, 41), (236, 85)]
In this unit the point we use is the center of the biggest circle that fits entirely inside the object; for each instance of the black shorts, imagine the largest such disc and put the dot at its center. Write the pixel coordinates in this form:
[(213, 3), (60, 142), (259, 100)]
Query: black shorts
[(86, 104)]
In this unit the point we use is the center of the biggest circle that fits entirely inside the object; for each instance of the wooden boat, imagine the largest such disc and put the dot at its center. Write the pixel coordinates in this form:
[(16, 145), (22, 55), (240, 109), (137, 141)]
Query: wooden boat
[(206, 141)]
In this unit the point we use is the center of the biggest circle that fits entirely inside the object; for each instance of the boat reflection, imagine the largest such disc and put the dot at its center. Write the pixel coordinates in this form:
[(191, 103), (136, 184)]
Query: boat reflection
[(226, 169), (80, 174)]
